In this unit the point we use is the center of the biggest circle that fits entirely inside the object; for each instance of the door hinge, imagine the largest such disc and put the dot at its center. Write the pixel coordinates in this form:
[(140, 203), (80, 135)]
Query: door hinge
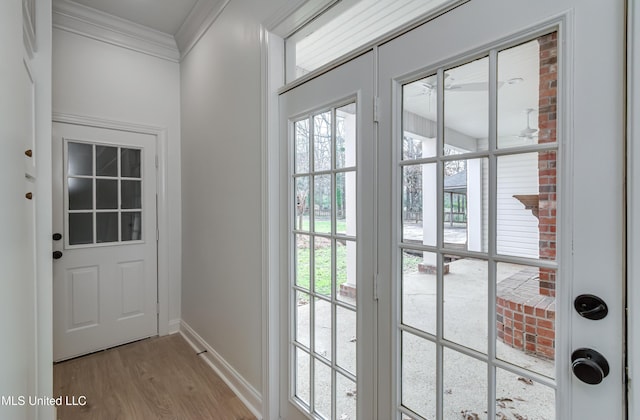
[(376, 109), (157, 308), (157, 235), (375, 286), (156, 161)]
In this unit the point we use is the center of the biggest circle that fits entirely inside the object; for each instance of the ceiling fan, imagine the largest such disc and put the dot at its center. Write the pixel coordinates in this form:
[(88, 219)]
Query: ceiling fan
[(450, 84), (528, 133)]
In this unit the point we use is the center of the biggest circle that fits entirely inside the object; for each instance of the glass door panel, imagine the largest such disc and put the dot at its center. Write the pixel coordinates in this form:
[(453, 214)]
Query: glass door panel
[(467, 198), (330, 293)]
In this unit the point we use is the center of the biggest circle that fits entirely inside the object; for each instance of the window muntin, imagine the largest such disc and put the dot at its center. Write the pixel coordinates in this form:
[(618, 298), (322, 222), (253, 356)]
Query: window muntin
[(103, 194), (324, 257)]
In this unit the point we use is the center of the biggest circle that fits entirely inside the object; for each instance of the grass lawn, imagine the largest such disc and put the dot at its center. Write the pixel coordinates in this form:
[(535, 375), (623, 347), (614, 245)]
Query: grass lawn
[(322, 272)]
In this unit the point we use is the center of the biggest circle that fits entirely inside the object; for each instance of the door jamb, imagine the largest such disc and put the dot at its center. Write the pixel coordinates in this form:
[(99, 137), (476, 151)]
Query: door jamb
[(162, 220), (632, 206)]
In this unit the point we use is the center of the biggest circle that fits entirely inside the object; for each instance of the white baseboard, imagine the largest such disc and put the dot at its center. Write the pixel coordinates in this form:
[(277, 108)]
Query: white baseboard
[(174, 326), (243, 389)]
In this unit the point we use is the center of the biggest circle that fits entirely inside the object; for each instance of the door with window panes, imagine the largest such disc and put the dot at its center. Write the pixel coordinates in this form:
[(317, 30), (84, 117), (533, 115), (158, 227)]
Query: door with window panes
[(105, 270), (505, 177), (328, 319)]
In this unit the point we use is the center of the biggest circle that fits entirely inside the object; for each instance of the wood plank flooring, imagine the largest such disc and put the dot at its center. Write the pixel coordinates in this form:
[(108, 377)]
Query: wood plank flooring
[(156, 378)]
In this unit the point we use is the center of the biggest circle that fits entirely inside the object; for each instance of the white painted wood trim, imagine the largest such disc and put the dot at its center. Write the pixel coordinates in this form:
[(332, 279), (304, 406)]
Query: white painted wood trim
[(272, 77), (633, 208), (85, 21), (165, 325), (243, 389), (203, 14)]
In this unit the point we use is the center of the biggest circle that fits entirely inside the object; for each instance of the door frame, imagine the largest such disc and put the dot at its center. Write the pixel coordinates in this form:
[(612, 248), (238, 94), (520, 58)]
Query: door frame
[(164, 326), (274, 253), (633, 206)]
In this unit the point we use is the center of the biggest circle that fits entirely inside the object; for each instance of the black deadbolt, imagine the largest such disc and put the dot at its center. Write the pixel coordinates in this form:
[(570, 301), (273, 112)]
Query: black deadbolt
[(591, 307), (57, 236), (589, 366), (57, 255)]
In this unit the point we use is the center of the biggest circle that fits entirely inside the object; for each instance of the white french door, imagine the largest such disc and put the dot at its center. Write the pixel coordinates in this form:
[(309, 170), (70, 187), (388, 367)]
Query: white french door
[(328, 319), (105, 259), (489, 211), (504, 170)]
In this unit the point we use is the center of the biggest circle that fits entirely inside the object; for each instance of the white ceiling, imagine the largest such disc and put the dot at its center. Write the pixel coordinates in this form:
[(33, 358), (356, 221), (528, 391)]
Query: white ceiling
[(162, 15)]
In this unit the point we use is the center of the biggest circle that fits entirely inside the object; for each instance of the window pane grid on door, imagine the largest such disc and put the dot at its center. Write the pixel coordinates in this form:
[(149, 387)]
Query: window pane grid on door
[(104, 184), (325, 255), (478, 242)]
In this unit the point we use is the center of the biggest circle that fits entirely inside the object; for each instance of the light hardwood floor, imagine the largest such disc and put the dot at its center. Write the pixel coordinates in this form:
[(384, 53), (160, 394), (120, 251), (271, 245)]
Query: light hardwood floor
[(156, 378)]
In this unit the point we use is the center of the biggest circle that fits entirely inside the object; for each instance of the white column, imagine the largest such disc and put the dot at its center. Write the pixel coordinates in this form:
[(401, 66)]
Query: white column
[(350, 194), (474, 205), (429, 201)]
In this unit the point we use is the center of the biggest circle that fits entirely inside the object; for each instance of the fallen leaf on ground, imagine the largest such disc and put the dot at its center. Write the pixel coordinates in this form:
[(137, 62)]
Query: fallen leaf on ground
[(525, 380)]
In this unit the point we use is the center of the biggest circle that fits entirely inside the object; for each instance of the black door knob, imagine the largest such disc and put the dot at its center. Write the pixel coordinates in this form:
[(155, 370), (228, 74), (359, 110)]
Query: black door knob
[(591, 307), (57, 255), (589, 366), (57, 236)]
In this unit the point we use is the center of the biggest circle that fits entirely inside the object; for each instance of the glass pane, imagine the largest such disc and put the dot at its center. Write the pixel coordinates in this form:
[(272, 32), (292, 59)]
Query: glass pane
[(346, 339), (322, 389), (107, 227), (346, 203), (303, 255), (130, 163), (322, 263), (80, 194), (302, 200), (419, 376), (419, 288), (302, 388), (518, 397), (80, 159), (322, 128), (322, 328), (460, 374), (527, 98), (466, 107), (419, 204), (132, 226), (301, 146), (526, 206), (525, 317), (106, 194), (346, 28), (465, 204), (346, 271), (346, 398), (80, 228), (466, 288), (419, 116), (322, 203), (106, 161), (302, 318), (131, 194), (346, 136)]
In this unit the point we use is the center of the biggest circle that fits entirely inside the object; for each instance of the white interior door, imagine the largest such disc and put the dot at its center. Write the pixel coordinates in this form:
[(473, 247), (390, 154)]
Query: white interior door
[(105, 268), (501, 151), (328, 315)]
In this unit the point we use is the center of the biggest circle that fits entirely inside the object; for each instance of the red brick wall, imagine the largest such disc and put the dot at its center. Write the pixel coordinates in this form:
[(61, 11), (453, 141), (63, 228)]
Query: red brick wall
[(547, 125)]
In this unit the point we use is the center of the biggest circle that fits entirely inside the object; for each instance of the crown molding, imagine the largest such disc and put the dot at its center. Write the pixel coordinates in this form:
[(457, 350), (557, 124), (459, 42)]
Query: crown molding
[(201, 17), (86, 21)]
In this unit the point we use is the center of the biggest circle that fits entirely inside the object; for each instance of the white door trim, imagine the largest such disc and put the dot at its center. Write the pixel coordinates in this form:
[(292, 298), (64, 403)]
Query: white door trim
[(633, 207), (160, 133)]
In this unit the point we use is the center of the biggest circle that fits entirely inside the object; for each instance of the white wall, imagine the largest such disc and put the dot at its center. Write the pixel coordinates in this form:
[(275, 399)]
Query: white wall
[(95, 79), (221, 187), (18, 352)]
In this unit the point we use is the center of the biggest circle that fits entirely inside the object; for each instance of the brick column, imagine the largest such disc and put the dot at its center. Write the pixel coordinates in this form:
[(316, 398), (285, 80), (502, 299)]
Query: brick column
[(547, 113)]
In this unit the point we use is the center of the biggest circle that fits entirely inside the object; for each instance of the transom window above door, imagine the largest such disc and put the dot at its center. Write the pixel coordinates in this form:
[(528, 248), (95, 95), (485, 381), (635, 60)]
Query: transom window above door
[(103, 194), (347, 25)]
